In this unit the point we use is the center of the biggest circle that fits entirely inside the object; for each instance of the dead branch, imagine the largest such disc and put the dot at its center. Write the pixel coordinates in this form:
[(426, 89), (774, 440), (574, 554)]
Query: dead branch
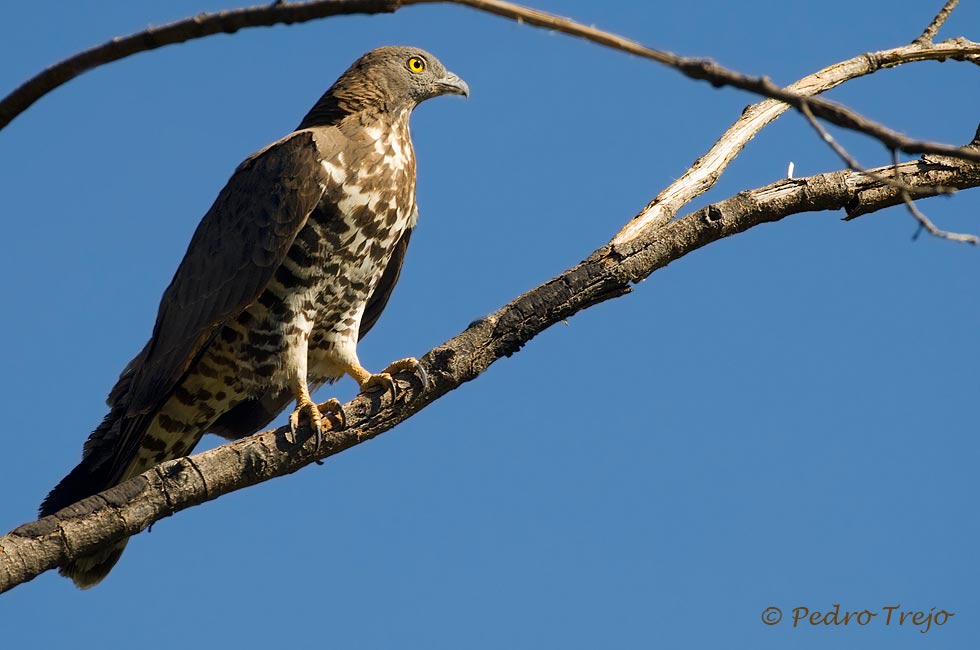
[(896, 182), (924, 222), (704, 173), (289, 13), (930, 31)]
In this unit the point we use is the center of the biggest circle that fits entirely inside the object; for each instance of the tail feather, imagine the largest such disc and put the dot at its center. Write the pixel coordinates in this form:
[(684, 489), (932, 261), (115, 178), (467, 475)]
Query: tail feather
[(89, 477), (98, 471), (90, 570)]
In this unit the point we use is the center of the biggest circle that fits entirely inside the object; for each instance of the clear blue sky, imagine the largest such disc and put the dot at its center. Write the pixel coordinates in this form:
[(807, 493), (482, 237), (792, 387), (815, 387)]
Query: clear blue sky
[(786, 418)]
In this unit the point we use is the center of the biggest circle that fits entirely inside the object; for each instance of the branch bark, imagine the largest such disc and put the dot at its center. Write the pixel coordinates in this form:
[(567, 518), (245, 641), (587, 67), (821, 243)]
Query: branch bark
[(132, 506), (288, 13)]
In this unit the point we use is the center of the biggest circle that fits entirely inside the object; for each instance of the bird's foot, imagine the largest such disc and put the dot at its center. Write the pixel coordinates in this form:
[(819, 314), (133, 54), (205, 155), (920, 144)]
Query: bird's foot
[(380, 382), (386, 381), (313, 413), (334, 406), (306, 412), (412, 365)]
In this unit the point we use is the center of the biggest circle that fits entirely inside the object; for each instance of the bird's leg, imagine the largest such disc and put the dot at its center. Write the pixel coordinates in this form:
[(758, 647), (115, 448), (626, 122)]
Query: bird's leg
[(296, 364), (384, 379)]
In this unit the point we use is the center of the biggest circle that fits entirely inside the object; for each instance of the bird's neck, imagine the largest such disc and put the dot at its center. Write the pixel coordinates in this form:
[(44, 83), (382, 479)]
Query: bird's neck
[(376, 122), (345, 101)]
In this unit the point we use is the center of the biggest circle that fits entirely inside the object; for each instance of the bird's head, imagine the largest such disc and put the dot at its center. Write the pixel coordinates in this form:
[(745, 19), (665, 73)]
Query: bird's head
[(406, 74), (386, 79)]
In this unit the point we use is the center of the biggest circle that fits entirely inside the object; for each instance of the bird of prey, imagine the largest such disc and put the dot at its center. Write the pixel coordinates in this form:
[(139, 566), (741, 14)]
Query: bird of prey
[(290, 267)]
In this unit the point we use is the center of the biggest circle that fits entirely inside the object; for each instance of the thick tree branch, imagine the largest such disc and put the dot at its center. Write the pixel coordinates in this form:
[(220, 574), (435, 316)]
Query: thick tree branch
[(288, 13), (132, 506)]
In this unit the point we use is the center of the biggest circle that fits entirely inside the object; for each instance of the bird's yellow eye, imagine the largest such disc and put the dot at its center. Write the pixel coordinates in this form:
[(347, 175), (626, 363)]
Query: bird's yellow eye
[(416, 65)]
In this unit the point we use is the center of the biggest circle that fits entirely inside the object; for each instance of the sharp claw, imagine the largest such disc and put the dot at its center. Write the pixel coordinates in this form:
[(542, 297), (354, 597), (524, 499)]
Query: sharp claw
[(293, 427), (332, 405), (342, 416), (317, 436), (390, 385), (422, 375)]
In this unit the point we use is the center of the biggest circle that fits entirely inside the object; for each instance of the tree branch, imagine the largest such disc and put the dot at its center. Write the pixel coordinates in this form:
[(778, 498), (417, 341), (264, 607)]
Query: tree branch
[(288, 13), (895, 181), (704, 173), (930, 31), (718, 76), (170, 487), (195, 27)]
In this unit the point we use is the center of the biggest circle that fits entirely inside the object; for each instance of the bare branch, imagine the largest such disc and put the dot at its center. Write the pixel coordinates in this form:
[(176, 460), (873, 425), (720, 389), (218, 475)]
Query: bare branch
[(709, 167), (132, 506), (695, 68), (924, 221), (894, 181), (937, 22), (718, 76), (198, 26), (852, 163), (931, 227)]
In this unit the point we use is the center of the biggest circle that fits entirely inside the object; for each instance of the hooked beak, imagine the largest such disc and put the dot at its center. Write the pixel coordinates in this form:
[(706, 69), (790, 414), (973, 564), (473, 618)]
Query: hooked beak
[(453, 85)]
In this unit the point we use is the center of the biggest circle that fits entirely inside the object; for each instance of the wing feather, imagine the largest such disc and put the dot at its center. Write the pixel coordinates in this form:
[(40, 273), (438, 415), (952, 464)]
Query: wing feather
[(234, 252), (382, 292), (232, 256)]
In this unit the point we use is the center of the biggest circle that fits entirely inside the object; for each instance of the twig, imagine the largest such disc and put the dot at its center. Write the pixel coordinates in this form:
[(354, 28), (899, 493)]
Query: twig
[(937, 22), (896, 182), (924, 221), (852, 163), (695, 68), (704, 173)]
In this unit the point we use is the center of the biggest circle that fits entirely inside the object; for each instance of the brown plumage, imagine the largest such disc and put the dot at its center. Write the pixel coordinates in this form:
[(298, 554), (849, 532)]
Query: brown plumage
[(290, 267)]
